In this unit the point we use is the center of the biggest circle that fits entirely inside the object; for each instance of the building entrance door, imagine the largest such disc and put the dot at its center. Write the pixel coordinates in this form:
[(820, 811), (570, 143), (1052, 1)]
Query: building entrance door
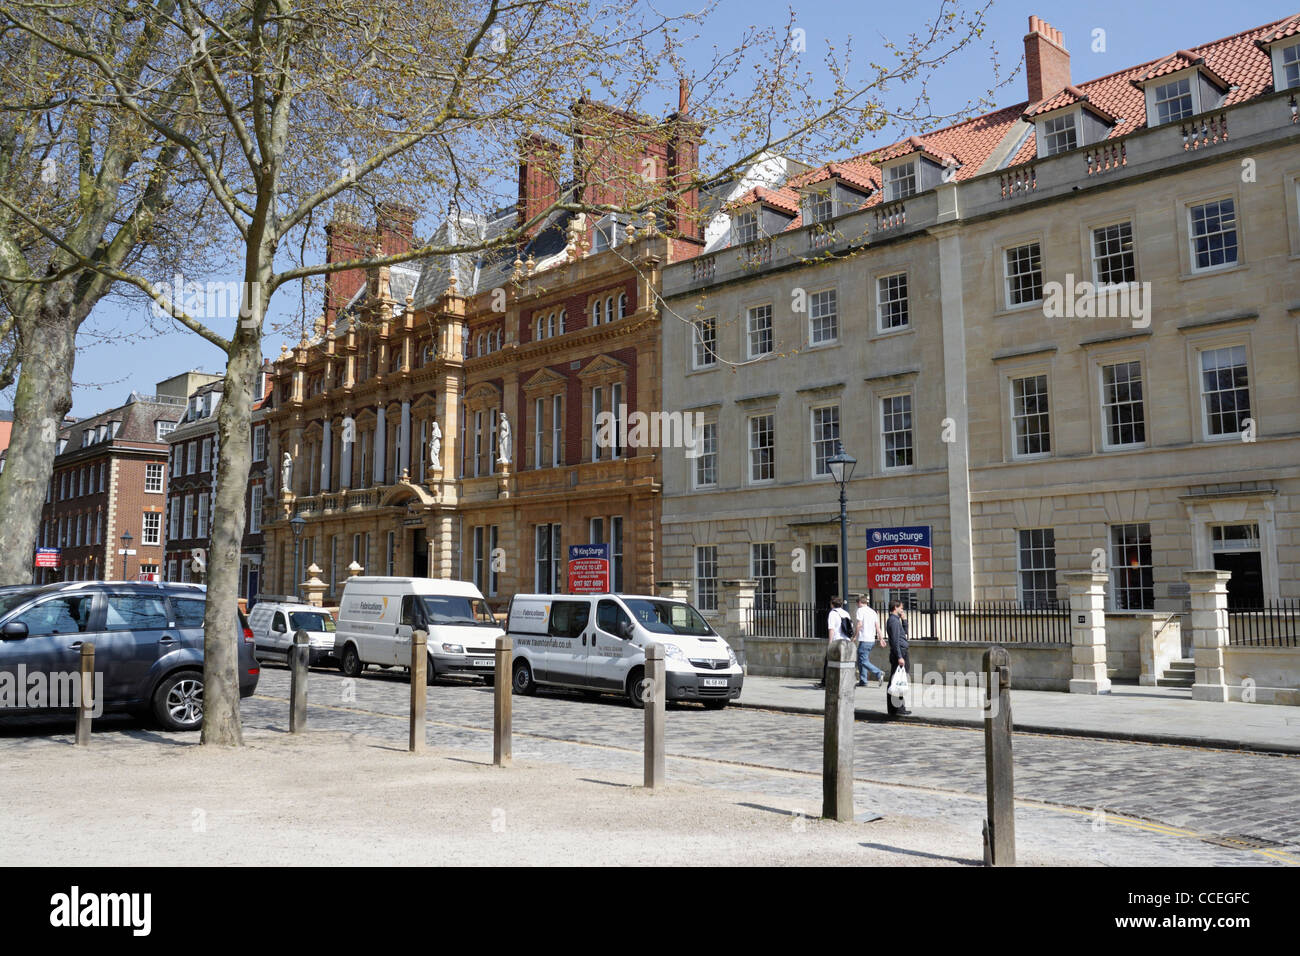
[(1236, 549), (826, 584), (419, 554)]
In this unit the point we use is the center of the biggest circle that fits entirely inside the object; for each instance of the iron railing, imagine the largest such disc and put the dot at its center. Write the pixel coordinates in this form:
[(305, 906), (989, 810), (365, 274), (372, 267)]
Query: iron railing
[(1275, 624), (992, 622)]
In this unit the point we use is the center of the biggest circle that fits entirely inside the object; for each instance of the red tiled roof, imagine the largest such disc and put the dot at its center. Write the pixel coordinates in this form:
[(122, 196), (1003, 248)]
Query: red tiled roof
[(784, 198), (1236, 61)]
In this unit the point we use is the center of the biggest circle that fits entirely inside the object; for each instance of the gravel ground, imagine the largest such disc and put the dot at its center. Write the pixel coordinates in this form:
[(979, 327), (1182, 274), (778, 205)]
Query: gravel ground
[(335, 798)]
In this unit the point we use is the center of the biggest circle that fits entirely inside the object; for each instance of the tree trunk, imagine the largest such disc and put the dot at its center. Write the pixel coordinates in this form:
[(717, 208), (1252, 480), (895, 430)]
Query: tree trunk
[(43, 399), (221, 637)]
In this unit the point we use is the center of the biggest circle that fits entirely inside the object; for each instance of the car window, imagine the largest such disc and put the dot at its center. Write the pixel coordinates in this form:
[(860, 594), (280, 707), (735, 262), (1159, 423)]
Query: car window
[(451, 609), (189, 612), (669, 617), (135, 612), (408, 611), (609, 617), (569, 618), (278, 623), (310, 621), (11, 598), (68, 614)]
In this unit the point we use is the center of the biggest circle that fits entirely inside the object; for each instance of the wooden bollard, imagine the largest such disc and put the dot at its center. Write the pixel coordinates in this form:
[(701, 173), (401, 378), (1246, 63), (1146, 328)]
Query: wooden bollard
[(502, 709), (298, 656), (654, 696), (1000, 825), (837, 732), (87, 709), (419, 688)]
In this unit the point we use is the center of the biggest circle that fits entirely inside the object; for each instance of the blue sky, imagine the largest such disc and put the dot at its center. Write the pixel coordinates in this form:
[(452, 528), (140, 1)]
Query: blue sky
[(120, 353)]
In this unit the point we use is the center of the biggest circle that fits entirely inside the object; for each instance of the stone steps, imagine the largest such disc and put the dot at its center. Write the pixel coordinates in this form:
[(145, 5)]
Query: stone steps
[(1180, 673)]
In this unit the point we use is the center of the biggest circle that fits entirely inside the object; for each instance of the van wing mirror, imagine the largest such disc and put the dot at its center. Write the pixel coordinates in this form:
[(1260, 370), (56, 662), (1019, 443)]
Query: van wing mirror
[(625, 630), (14, 631)]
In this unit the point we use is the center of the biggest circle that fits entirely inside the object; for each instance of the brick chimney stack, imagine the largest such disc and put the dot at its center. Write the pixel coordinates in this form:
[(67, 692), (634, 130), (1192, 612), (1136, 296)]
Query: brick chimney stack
[(395, 223), (539, 172), (1047, 62)]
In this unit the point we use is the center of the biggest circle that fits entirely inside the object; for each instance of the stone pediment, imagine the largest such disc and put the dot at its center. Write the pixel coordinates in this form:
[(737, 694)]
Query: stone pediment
[(544, 379), (603, 365)]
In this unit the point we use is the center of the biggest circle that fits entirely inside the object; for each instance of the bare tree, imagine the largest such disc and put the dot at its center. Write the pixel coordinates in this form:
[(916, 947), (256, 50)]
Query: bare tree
[(286, 108)]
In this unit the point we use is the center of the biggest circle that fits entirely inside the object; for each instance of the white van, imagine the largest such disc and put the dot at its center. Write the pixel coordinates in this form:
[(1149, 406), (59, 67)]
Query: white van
[(274, 625), (597, 642), (378, 614)]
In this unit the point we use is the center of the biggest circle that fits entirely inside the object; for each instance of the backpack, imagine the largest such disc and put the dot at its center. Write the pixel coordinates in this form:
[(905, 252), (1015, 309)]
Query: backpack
[(847, 627)]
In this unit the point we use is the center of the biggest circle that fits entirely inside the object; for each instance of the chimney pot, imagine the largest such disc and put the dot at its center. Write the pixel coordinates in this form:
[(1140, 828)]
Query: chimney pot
[(1047, 62)]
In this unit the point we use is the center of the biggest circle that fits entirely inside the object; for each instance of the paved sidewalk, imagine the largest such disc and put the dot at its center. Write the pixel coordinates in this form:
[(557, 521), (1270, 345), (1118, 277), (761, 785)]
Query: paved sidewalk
[(1129, 712)]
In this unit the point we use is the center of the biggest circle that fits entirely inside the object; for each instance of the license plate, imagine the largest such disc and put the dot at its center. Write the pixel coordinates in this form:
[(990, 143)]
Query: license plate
[(483, 662), (714, 682)]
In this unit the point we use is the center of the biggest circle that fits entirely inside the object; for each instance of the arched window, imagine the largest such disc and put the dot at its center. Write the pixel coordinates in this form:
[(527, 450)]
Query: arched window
[(550, 325), (595, 312), (609, 309), (537, 329), (622, 304), (561, 322), (480, 345)]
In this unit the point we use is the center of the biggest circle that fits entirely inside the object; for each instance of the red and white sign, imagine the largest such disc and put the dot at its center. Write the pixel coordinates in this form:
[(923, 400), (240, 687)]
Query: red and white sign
[(588, 568), (48, 558), (899, 559)]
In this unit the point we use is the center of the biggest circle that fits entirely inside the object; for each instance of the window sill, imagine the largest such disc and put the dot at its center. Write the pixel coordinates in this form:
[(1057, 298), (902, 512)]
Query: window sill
[(823, 345), (891, 333), (1021, 309), (1212, 271)]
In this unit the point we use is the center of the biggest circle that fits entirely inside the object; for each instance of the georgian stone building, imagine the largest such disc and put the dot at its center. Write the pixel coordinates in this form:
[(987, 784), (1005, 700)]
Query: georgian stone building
[(1062, 334), (443, 419)]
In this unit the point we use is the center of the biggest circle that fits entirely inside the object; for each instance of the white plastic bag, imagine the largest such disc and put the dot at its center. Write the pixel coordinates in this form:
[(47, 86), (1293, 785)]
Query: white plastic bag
[(898, 684)]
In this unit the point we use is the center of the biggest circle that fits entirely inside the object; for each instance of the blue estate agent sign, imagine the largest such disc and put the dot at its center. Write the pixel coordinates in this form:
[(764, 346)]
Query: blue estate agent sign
[(899, 558)]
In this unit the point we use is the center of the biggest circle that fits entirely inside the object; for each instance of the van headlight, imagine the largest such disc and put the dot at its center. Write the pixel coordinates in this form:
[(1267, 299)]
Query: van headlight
[(674, 652), (731, 656), (453, 649)]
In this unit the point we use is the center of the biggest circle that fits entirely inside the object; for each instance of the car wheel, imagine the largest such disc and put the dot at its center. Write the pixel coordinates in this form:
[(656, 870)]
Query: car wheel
[(351, 665), (638, 688), (714, 704), (523, 679), (430, 674), (178, 701)]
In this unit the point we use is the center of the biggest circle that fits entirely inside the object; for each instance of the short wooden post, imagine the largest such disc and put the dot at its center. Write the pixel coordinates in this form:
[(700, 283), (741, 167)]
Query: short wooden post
[(1000, 825), (419, 688), (298, 656), (502, 710), (837, 732), (654, 695), (87, 708)]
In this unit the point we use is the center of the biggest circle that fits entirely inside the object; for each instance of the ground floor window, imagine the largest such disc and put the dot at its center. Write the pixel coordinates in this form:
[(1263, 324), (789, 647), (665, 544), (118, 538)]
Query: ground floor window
[(762, 568), (548, 578), (1037, 562), (706, 578), (1132, 582)]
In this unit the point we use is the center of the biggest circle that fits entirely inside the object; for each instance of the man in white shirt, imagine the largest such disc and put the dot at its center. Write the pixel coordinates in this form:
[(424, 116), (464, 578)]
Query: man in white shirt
[(835, 629), (868, 632)]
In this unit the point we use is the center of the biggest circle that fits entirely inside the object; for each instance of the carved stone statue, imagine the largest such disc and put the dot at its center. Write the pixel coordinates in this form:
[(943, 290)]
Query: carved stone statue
[(503, 440), (286, 473), (435, 447)]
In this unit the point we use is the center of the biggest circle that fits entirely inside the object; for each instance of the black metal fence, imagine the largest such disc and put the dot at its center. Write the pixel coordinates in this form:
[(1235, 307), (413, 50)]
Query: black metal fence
[(1000, 622), (1275, 624)]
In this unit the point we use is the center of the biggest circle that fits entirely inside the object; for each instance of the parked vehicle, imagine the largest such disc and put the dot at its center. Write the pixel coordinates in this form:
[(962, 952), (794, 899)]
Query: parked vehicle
[(274, 627), (597, 642), (377, 616), (148, 643)]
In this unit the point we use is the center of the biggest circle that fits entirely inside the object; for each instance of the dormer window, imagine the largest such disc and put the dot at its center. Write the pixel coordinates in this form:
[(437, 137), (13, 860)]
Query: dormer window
[(1173, 101), (610, 231), (1286, 66), (744, 227), (900, 181), (818, 206), (1059, 134)]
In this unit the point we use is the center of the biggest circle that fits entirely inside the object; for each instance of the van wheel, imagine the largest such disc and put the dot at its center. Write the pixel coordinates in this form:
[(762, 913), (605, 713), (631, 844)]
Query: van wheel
[(178, 701), (351, 665), (523, 679), (638, 688)]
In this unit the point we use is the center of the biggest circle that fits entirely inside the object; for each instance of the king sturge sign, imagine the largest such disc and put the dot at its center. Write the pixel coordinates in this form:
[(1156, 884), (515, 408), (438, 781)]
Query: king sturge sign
[(899, 558)]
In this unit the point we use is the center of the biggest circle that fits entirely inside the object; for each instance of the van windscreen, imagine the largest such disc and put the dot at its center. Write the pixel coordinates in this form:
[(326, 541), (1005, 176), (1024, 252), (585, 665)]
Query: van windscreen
[(668, 617), (447, 609), (310, 621)]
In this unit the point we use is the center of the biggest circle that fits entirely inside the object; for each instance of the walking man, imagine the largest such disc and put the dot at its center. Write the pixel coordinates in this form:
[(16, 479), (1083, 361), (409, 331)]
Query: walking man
[(896, 634), (868, 633), (839, 626)]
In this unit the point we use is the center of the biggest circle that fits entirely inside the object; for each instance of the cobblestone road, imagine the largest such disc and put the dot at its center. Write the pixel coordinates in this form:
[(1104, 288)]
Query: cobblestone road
[(1104, 801)]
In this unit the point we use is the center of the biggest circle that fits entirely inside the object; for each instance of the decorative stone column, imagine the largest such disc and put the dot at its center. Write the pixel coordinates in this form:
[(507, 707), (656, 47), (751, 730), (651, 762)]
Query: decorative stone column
[(1209, 594), (737, 607), (354, 569), (315, 587), (674, 590), (1088, 632), (326, 456), (381, 446)]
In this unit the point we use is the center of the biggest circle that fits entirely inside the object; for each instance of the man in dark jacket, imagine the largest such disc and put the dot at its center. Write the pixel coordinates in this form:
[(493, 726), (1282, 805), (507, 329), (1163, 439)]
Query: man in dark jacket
[(896, 635)]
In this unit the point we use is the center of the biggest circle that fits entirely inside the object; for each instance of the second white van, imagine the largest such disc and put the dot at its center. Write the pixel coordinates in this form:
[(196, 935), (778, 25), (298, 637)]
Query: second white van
[(377, 616), (598, 642), (274, 625)]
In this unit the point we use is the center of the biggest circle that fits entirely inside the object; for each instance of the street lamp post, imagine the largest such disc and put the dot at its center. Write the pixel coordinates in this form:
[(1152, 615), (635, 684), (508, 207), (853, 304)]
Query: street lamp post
[(841, 466), (298, 522), (126, 554)]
